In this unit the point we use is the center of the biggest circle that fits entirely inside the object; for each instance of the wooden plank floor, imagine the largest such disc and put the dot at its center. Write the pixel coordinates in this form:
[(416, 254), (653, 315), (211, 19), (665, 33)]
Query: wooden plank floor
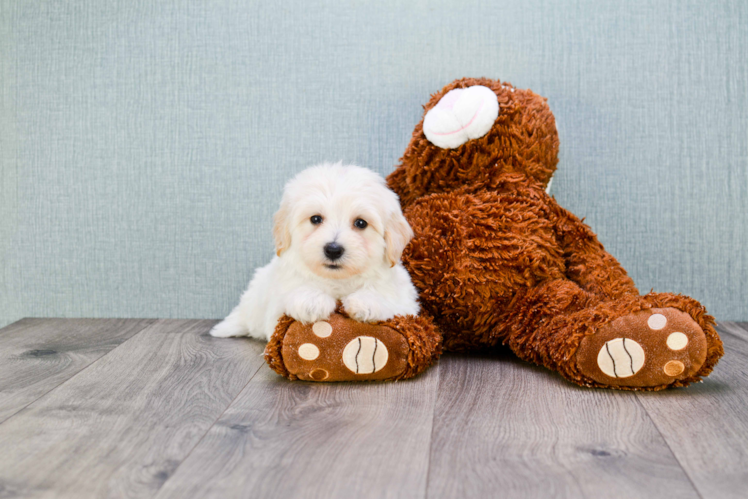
[(143, 408)]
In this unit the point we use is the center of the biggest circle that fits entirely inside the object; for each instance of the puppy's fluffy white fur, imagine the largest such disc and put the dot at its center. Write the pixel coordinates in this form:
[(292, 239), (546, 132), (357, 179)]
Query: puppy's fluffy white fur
[(302, 282)]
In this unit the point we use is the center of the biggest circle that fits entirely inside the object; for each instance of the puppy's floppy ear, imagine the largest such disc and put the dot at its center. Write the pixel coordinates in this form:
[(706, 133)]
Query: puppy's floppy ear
[(281, 229), (397, 234)]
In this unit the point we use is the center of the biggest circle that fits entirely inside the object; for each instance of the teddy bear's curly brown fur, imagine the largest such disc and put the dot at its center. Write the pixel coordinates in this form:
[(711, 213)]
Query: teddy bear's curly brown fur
[(498, 261)]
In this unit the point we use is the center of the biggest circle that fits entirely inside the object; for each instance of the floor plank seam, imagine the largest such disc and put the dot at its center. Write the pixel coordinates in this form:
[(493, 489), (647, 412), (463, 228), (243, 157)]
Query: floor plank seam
[(7, 328), (148, 325), (490, 441), (431, 434), (197, 443), (667, 443)]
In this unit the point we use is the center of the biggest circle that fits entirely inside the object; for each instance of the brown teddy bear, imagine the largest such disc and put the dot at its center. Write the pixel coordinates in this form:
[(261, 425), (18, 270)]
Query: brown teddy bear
[(498, 261)]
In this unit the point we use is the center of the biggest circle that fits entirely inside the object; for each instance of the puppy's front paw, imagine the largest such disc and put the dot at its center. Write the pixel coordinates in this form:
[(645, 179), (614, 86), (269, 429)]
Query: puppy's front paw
[(310, 307), (366, 308)]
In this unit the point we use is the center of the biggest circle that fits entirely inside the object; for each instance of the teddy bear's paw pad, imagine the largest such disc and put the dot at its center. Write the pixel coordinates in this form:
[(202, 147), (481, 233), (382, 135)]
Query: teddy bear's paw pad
[(343, 349), (365, 355), (649, 348)]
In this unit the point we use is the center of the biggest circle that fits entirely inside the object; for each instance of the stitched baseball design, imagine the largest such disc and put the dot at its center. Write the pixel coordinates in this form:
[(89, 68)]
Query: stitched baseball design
[(365, 355), (620, 358)]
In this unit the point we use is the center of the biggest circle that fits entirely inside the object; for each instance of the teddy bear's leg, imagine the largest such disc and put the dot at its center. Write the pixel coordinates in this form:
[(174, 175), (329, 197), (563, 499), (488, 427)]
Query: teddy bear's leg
[(670, 338), (341, 348), (630, 342), (666, 339), (587, 262)]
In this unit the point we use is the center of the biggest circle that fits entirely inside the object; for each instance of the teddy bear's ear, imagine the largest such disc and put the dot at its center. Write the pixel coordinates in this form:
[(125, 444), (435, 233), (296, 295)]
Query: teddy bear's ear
[(460, 115), (397, 234), (281, 228)]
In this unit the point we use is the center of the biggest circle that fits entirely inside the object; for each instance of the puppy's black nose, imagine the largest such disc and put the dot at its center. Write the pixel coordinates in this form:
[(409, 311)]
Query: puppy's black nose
[(333, 251)]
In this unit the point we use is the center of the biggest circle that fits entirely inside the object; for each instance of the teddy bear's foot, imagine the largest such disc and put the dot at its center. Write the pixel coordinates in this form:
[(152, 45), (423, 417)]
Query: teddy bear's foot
[(343, 349), (652, 348)]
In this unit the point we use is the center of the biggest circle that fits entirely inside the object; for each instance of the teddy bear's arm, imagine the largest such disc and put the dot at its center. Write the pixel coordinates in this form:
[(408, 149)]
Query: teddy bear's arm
[(587, 262)]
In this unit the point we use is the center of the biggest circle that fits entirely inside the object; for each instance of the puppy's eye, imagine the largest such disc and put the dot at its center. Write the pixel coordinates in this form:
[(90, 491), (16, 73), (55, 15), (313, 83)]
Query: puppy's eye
[(316, 219), (360, 223)]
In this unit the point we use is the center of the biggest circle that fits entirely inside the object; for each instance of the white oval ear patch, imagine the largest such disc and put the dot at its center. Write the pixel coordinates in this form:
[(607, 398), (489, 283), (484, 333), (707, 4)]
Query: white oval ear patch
[(461, 115)]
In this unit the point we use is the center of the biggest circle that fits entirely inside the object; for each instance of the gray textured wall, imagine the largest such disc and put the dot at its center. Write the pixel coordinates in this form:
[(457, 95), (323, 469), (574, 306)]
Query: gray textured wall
[(144, 144)]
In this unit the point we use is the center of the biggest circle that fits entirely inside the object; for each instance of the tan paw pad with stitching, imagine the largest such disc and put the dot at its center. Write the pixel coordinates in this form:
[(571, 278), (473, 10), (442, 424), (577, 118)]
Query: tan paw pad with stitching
[(649, 348), (620, 359), (342, 349), (365, 355)]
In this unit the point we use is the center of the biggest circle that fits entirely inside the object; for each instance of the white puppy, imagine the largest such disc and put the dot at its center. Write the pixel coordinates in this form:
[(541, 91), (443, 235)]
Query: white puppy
[(339, 234)]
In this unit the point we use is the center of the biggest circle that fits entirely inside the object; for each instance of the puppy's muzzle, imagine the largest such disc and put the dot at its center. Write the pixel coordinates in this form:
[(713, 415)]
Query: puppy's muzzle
[(333, 251)]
